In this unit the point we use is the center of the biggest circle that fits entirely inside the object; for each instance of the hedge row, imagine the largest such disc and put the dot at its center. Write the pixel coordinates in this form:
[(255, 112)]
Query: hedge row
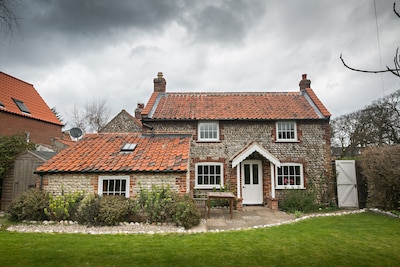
[(158, 204)]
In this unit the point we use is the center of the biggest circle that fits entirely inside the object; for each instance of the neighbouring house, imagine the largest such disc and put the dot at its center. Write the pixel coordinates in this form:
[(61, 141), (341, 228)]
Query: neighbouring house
[(118, 164), (23, 110), (21, 176), (124, 122), (256, 144)]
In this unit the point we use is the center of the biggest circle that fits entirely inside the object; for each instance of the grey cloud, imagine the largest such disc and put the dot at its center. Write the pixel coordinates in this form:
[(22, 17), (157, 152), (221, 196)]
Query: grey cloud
[(227, 23), (98, 17)]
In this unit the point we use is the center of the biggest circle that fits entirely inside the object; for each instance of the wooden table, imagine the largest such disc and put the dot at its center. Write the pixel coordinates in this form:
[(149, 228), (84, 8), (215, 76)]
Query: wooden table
[(225, 195)]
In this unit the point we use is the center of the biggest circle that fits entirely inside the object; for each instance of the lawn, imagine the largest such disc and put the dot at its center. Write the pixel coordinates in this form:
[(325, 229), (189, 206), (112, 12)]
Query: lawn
[(364, 239)]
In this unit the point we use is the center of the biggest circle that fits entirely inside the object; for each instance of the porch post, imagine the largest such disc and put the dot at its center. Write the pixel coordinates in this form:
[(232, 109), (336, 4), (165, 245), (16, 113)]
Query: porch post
[(238, 180), (272, 166)]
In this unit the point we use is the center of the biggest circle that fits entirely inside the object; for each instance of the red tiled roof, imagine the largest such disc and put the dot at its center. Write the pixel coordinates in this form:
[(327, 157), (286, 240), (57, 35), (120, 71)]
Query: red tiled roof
[(102, 153), (231, 106), (11, 87)]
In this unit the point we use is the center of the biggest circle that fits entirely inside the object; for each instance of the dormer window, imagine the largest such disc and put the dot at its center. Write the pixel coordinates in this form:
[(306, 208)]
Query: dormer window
[(208, 131), (128, 147), (286, 131), (21, 105)]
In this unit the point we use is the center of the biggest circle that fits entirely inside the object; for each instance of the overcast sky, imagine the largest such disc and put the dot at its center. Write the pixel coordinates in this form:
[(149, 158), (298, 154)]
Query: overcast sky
[(77, 51)]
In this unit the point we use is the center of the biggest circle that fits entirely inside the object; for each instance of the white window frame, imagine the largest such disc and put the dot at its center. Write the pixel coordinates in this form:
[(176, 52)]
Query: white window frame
[(208, 185), (102, 178), (279, 129), (201, 124), (289, 177)]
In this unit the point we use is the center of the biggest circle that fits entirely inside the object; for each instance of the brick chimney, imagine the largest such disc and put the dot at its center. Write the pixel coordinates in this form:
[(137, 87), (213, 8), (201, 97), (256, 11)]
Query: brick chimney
[(159, 83), (304, 83), (138, 111)]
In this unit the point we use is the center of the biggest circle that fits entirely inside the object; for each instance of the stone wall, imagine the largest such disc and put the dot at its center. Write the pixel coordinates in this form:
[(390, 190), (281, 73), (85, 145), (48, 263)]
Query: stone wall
[(56, 183), (312, 150)]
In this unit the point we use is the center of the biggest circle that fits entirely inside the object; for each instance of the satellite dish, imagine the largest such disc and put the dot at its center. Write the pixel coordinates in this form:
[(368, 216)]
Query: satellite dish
[(76, 133)]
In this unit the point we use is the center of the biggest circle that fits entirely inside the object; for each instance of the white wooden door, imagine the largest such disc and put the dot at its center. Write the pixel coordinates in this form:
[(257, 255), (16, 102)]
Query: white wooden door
[(252, 182), (346, 183)]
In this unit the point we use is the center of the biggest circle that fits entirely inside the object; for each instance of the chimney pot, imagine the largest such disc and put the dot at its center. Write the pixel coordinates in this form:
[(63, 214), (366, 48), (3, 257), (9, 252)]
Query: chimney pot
[(138, 111), (160, 83), (304, 83)]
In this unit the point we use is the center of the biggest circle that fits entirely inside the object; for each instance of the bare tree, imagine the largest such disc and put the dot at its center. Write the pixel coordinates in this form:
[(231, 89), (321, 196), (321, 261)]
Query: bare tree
[(375, 125), (8, 19), (395, 70), (93, 117)]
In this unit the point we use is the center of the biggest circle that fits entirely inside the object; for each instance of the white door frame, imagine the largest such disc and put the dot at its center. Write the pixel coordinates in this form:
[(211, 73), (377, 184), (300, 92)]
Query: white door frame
[(253, 193)]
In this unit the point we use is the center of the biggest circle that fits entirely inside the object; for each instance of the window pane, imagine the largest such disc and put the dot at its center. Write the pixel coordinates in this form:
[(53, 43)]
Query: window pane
[(255, 174), (212, 179), (246, 174), (123, 186), (118, 185), (218, 169), (212, 169)]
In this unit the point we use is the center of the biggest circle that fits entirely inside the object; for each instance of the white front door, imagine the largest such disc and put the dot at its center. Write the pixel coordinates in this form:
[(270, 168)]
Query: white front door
[(252, 182)]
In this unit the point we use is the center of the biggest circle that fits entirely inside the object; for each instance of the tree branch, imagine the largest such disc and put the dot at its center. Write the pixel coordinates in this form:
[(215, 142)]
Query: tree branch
[(394, 71), (394, 10)]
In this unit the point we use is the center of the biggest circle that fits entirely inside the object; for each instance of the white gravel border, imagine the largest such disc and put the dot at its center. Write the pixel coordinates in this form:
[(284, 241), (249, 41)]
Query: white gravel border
[(160, 228)]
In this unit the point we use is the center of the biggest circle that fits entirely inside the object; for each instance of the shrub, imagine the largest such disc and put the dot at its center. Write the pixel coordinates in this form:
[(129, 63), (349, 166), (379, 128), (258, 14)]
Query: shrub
[(381, 166), (63, 207), (156, 203), (298, 200), (185, 212), (88, 210), (113, 209), (28, 206)]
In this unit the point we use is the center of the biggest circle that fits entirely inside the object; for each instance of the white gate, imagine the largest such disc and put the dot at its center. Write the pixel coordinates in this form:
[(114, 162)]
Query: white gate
[(346, 183)]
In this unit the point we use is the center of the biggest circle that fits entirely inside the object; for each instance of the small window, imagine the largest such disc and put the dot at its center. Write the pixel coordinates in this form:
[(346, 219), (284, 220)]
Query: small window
[(128, 147), (113, 186), (20, 104), (1, 105), (208, 131), (209, 175), (286, 131), (290, 176)]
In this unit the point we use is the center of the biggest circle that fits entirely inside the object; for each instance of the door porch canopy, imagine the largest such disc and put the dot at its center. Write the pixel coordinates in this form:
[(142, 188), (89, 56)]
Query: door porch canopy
[(239, 157)]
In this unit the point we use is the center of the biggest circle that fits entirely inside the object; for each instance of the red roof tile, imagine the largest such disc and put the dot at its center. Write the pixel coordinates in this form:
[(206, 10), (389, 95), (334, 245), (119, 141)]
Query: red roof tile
[(11, 87), (231, 106), (102, 153)]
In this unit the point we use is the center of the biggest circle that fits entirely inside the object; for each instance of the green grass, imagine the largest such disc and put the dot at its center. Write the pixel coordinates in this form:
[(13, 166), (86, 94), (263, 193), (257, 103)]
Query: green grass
[(364, 239)]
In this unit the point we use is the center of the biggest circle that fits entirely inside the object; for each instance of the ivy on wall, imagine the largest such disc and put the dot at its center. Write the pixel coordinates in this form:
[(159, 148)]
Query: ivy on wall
[(10, 147)]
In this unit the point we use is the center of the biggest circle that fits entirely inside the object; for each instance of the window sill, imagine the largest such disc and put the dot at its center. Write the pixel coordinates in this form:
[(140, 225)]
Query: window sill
[(287, 141), (207, 187), (289, 187), (208, 141)]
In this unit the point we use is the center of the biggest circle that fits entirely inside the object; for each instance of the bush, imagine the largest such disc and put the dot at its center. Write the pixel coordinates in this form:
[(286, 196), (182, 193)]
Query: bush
[(28, 206), (298, 200), (88, 210), (185, 212), (113, 209), (381, 166), (63, 207), (156, 203)]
